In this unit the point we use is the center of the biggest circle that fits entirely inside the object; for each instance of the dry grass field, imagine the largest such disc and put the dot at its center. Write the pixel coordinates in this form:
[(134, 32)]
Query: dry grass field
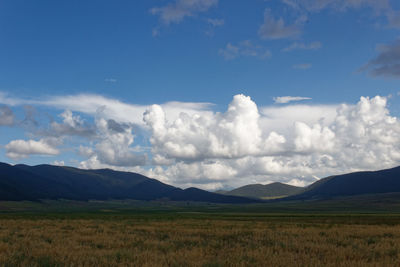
[(205, 240)]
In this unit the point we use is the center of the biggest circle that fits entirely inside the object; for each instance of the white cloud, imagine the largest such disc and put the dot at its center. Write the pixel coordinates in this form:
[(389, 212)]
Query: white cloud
[(18, 149), (287, 99), (302, 46), (110, 80), (8, 100), (297, 182), (282, 118), (277, 29), (111, 108), (58, 163), (194, 146), (244, 48), (315, 138), (315, 141), (232, 134), (175, 12)]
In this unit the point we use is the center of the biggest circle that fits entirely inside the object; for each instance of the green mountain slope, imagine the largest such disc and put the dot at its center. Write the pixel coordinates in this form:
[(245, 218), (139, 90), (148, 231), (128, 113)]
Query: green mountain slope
[(273, 190)]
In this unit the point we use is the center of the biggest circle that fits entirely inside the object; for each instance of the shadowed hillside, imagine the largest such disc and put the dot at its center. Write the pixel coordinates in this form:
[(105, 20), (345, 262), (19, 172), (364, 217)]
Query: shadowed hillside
[(22, 182), (357, 183)]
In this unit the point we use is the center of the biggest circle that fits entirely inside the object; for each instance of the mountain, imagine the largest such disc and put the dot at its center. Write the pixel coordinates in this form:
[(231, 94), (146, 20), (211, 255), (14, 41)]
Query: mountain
[(274, 190), (22, 182), (351, 184)]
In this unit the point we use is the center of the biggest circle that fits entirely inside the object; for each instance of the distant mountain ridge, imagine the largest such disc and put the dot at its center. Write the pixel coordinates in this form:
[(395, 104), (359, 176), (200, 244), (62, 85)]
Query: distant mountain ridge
[(22, 182), (273, 190), (351, 184)]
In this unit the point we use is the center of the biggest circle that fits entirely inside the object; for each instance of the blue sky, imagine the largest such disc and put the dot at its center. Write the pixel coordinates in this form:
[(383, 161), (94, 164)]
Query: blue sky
[(102, 64)]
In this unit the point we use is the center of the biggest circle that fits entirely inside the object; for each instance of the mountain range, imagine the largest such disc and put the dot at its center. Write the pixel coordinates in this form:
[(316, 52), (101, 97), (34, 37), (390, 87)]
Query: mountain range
[(352, 184), (22, 182)]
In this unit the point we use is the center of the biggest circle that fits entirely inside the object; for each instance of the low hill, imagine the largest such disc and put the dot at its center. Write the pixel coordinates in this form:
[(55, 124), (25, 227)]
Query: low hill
[(274, 190), (351, 184), (22, 182)]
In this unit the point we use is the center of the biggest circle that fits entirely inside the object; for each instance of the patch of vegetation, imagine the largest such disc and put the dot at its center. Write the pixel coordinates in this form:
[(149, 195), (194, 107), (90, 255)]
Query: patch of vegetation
[(165, 234)]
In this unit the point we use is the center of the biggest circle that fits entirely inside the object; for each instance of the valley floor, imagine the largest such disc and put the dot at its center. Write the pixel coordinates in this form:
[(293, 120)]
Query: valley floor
[(195, 238)]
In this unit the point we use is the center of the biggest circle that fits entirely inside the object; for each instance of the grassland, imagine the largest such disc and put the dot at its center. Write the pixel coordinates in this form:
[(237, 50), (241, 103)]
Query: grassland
[(115, 234)]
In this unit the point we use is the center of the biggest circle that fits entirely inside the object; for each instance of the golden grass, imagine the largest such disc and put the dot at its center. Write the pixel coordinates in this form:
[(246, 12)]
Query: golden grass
[(195, 242)]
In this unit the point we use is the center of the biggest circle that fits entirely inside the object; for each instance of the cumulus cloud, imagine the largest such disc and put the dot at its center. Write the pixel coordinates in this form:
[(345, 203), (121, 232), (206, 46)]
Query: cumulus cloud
[(176, 11), (246, 144), (273, 28), (232, 134), (18, 149), (387, 63), (315, 138), (71, 125), (191, 145), (244, 48), (113, 148), (302, 46), (287, 99), (6, 116)]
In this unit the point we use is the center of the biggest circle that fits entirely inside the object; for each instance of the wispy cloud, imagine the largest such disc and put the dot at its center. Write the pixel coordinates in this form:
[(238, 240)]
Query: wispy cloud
[(394, 19), (213, 24), (274, 28), (244, 48), (111, 108), (303, 66), (340, 5), (6, 116), (379, 7), (110, 80), (387, 63), (216, 22), (302, 46), (287, 99), (176, 11)]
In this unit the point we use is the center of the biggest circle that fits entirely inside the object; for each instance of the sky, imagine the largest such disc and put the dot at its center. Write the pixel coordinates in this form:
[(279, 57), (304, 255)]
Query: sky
[(214, 94)]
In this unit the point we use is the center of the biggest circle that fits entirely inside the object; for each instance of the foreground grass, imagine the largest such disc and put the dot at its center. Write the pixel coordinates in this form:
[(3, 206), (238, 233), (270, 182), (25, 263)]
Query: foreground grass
[(199, 239)]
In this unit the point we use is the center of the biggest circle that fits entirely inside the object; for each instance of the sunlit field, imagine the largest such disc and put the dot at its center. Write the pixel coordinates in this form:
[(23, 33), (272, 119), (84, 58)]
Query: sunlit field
[(171, 238)]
